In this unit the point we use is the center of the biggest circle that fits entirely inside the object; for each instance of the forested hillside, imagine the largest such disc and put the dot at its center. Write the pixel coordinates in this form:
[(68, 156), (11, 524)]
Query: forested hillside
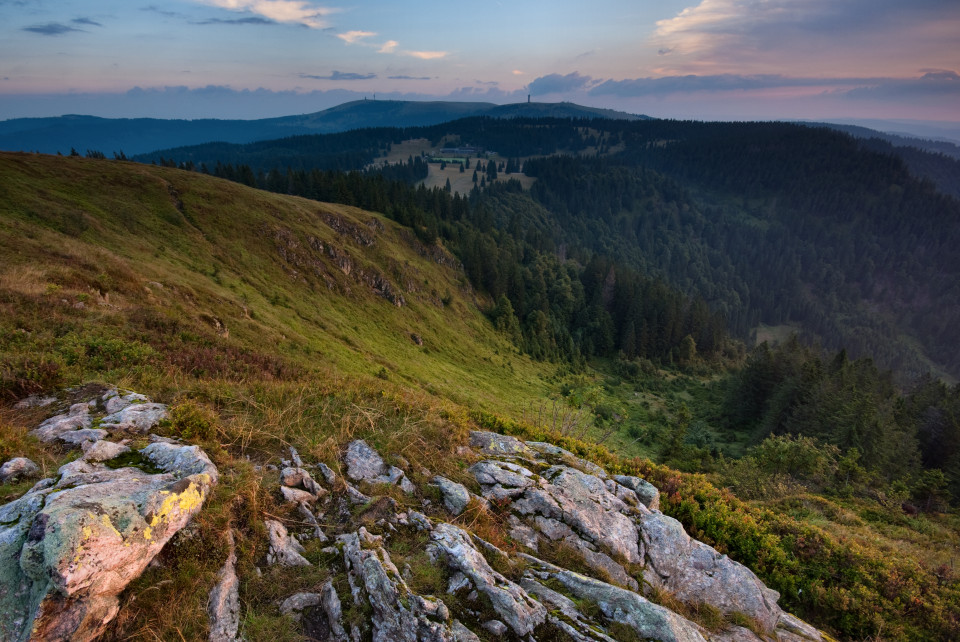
[(768, 223)]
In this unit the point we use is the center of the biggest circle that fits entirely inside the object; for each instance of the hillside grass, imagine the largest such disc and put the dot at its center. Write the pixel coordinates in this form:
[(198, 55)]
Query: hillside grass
[(163, 261)]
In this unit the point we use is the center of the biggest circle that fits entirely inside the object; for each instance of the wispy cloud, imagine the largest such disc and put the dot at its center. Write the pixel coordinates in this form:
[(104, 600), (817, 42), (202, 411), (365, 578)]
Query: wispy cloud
[(303, 12), (340, 75), (426, 55), (247, 20), (86, 21), (50, 29), (408, 77), (934, 83), (152, 8), (351, 37), (388, 47), (807, 35)]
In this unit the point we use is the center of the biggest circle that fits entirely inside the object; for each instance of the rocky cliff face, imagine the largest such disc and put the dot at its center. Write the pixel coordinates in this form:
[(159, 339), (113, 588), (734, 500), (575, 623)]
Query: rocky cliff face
[(579, 555)]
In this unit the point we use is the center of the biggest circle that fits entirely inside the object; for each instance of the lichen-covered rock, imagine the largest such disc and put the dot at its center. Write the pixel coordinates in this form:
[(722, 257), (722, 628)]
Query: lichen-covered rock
[(695, 573), (455, 496), (492, 444), (18, 468), (68, 549), (515, 607)]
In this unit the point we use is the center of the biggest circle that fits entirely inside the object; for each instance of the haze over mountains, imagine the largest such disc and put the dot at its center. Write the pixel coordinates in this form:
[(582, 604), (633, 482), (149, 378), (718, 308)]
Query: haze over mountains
[(140, 135)]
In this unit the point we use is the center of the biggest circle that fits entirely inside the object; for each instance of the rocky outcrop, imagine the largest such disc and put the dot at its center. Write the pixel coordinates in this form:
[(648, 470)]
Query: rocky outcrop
[(71, 544), (580, 554), (515, 607), (488, 591)]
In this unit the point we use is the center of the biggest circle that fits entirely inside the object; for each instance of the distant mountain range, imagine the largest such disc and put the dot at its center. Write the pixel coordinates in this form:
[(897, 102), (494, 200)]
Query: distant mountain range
[(140, 135)]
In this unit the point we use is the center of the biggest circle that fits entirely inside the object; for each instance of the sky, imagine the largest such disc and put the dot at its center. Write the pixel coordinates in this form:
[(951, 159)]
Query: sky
[(702, 59)]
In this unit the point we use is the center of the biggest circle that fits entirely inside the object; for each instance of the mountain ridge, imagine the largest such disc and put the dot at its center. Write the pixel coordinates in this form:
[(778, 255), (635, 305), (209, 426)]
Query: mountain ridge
[(139, 135)]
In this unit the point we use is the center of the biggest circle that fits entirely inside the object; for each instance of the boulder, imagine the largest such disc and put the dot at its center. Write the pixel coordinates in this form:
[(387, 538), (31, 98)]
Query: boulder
[(318, 614), (565, 504), (297, 496), (84, 435), (295, 476), (35, 401), (363, 462), (67, 549), (568, 458), (18, 468), (115, 401)]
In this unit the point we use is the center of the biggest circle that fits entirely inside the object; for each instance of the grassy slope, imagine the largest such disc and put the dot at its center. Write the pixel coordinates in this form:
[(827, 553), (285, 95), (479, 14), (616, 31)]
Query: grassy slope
[(243, 258)]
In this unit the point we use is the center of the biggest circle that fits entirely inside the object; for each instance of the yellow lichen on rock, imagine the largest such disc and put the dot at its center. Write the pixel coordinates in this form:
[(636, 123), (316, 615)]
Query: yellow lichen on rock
[(191, 498)]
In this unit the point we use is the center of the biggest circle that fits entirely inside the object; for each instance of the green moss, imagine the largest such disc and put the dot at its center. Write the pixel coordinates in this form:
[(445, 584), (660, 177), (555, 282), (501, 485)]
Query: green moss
[(134, 459)]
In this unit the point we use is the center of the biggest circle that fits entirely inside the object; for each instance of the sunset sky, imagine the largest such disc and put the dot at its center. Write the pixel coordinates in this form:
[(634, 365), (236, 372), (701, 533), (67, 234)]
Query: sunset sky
[(708, 59)]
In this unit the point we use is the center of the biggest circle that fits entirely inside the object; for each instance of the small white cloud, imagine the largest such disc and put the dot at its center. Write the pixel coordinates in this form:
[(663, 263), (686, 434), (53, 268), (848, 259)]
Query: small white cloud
[(353, 36), (302, 12), (388, 47), (517, 72), (426, 55)]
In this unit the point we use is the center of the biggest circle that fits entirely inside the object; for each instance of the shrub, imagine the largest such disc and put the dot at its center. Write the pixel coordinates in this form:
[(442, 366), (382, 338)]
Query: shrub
[(26, 376), (192, 422)]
